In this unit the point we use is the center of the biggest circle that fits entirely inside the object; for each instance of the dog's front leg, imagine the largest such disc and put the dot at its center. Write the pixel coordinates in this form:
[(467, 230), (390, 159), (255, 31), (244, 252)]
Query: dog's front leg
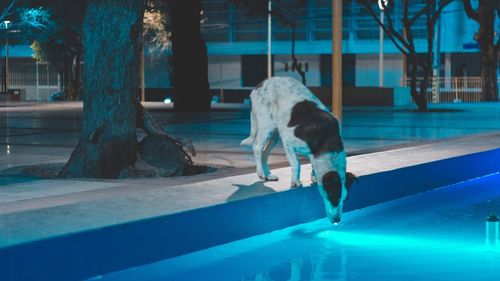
[(313, 176)]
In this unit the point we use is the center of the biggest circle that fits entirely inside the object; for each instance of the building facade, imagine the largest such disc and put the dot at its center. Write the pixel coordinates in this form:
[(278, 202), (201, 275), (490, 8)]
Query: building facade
[(237, 43), (237, 48)]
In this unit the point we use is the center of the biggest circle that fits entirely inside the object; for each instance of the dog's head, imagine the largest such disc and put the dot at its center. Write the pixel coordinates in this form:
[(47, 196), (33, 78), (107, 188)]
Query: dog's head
[(336, 189)]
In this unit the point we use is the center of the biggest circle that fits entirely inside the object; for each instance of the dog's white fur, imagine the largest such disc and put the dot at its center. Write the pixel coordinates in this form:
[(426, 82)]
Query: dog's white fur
[(272, 104)]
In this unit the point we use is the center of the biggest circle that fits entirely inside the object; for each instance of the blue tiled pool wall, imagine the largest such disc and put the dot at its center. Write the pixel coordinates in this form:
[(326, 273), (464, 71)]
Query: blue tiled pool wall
[(82, 255)]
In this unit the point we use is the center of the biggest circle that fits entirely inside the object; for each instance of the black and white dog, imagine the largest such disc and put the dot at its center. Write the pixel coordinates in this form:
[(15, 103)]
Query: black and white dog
[(283, 107)]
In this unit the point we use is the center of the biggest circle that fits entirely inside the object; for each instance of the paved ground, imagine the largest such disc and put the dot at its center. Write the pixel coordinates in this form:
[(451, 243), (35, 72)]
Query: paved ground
[(377, 139), (50, 130)]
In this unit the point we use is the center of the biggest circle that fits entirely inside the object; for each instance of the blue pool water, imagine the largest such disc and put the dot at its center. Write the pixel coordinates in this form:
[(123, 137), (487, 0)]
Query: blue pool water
[(437, 235)]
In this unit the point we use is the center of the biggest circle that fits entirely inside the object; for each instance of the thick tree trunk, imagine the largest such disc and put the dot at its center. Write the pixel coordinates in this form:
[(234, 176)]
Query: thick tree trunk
[(485, 37), (112, 33), (189, 61)]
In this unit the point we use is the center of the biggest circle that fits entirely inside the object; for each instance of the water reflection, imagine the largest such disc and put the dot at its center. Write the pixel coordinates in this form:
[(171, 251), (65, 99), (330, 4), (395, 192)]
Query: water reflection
[(393, 241), (326, 261)]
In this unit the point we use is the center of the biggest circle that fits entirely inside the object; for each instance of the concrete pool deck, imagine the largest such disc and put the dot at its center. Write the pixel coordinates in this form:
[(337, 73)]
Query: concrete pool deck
[(38, 133), (34, 209)]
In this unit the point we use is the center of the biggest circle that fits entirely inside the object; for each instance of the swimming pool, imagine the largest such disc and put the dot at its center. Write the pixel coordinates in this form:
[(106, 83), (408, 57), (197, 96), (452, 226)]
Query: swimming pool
[(435, 235)]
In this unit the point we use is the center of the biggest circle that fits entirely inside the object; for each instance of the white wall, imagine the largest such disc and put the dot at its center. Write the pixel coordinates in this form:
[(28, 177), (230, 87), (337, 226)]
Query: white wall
[(367, 73), (224, 71)]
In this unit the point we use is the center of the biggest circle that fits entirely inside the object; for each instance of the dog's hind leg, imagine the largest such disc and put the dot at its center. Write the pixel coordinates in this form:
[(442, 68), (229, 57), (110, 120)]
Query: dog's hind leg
[(294, 164), (266, 151), (253, 130), (262, 146)]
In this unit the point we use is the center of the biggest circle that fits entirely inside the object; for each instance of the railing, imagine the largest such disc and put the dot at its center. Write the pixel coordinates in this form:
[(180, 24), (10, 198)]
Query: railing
[(452, 89), (37, 81)]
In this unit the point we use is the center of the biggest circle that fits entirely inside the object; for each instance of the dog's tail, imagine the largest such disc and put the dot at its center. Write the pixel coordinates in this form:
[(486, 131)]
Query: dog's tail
[(253, 131)]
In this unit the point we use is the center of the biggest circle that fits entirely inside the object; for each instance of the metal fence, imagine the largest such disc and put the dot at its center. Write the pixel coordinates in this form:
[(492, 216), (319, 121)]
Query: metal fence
[(452, 89), (36, 81)]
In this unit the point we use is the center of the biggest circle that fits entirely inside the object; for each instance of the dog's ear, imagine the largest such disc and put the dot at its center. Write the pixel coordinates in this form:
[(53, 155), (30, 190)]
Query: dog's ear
[(350, 178)]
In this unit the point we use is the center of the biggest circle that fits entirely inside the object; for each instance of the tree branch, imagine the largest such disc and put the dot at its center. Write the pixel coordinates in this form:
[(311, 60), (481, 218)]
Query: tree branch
[(417, 15), (392, 31), (6, 12), (438, 11), (407, 28), (395, 37), (471, 13)]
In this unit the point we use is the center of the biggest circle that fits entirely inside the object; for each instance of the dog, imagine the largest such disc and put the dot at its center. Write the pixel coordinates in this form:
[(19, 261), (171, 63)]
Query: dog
[(284, 108)]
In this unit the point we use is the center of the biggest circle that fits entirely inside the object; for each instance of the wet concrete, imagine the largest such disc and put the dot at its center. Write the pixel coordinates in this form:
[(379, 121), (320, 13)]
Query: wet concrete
[(378, 139)]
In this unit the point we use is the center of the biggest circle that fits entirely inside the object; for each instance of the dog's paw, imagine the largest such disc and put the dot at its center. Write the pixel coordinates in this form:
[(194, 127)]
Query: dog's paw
[(271, 178), (247, 142), (313, 179), (296, 184)]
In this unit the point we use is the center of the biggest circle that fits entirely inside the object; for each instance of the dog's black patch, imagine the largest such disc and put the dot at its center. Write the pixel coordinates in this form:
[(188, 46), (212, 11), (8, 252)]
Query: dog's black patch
[(350, 178), (318, 128), (333, 187)]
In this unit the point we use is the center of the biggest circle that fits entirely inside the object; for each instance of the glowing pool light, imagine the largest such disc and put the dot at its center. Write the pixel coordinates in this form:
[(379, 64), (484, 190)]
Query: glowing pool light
[(167, 100), (492, 230)]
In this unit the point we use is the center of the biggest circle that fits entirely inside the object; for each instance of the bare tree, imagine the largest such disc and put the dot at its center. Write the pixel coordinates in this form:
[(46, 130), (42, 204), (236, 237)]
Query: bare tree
[(404, 40), (484, 15)]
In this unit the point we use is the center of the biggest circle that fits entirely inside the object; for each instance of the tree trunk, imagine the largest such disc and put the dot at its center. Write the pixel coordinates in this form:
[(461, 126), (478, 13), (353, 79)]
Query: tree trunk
[(64, 72), (489, 66), (485, 38), (295, 64), (422, 98), (189, 60), (76, 69), (417, 97), (112, 32), (295, 61)]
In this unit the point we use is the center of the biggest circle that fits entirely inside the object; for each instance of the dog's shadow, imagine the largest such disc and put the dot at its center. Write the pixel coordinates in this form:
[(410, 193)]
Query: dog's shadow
[(246, 191)]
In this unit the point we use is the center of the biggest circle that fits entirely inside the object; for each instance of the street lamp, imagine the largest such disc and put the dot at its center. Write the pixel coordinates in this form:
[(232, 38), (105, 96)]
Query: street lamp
[(269, 38), (381, 4), (6, 82), (337, 58)]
